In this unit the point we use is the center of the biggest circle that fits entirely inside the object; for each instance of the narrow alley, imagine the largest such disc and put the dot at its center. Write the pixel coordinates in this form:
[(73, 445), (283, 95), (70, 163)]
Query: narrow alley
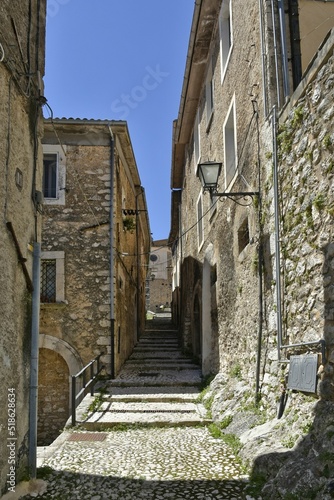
[(144, 435)]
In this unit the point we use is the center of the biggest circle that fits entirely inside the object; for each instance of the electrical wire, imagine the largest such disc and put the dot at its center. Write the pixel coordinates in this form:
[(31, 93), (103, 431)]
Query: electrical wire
[(73, 170)]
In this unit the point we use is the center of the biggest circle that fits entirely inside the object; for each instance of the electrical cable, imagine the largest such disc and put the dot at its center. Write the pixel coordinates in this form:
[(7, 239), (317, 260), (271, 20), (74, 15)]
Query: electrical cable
[(76, 176)]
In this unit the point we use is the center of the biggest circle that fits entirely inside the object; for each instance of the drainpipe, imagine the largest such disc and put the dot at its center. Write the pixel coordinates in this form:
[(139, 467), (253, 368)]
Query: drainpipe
[(276, 55), (138, 264), (260, 270), (277, 237), (112, 257), (284, 50), (34, 361)]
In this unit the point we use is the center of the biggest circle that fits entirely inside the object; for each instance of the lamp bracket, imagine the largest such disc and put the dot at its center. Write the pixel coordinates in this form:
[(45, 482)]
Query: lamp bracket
[(238, 194)]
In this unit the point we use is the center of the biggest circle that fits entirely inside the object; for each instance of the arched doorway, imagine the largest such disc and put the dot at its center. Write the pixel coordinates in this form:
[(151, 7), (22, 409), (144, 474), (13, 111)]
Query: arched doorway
[(58, 360), (53, 396)]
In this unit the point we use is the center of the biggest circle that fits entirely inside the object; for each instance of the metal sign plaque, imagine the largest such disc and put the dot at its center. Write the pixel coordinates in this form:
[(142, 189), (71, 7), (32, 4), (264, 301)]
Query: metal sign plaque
[(303, 373)]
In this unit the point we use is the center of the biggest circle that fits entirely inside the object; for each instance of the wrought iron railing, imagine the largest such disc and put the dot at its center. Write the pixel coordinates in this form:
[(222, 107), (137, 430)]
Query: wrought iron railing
[(81, 379)]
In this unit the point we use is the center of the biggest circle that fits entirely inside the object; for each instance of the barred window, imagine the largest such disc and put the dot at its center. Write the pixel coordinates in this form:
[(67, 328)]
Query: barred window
[(48, 281)]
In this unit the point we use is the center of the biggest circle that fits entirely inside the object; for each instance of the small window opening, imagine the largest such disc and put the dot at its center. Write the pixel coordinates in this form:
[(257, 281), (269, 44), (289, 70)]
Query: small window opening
[(243, 235), (48, 281)]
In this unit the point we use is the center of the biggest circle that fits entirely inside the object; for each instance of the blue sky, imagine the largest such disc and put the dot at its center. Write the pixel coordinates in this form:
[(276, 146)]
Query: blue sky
[(123, 60)]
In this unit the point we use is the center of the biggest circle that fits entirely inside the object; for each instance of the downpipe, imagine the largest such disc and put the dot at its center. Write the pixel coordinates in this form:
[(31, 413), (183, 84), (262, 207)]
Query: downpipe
[(112, 256), (34, 361)]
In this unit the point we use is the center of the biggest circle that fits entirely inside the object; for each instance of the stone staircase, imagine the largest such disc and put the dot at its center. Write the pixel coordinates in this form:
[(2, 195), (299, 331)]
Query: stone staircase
[(158, 385)]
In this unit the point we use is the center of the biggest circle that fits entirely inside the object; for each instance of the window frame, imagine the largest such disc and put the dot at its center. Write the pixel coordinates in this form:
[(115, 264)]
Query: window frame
[(225, 35), (197, 141), (59, 199), (228, 133), (59, 257), (200, 221), (209, 95)]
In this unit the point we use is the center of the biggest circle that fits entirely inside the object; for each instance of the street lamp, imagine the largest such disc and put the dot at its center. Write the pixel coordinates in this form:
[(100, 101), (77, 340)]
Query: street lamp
[(208, 173)]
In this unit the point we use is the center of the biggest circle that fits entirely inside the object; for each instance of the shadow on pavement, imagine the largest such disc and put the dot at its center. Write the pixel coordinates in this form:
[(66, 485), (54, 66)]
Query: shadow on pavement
[(63, 485)]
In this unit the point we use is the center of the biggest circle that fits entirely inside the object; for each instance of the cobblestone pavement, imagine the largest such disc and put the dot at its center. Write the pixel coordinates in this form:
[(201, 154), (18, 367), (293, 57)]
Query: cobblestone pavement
[(178, 463), (153, 441)]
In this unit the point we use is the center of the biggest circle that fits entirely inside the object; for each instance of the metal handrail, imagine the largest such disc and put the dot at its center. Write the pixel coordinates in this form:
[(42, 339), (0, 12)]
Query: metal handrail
[(85, 384), (321, 342)]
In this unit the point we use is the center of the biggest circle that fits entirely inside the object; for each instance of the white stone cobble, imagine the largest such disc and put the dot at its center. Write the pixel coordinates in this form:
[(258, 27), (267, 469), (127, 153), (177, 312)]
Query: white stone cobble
[(153, 463), (152, 443)]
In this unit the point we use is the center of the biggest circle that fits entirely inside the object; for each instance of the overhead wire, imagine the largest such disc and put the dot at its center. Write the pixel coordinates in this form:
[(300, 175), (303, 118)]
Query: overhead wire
[(72, 171)]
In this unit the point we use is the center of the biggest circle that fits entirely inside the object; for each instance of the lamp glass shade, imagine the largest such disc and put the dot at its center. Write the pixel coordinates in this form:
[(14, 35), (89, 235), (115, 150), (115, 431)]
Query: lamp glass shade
[(208, 173)]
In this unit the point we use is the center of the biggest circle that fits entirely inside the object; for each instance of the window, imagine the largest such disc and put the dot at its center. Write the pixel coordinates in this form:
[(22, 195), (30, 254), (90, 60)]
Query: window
[(52, 277), (50, 175), (230, 148), (48, 281), (200, 226), (243, 235), (226, 38), (54, 168), (197, 145), (209, 95)]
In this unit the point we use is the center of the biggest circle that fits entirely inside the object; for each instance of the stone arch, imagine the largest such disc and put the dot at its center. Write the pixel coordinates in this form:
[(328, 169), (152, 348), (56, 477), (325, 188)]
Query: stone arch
[(53, 395), (69, 354), (58, 361)]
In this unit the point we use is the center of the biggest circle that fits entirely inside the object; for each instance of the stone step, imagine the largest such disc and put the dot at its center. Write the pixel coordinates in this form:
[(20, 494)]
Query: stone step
[(156, 349), (152, 407), (157, 377), (159, 342), (158, 355), (147, 414), (165, 364), (135, 393)]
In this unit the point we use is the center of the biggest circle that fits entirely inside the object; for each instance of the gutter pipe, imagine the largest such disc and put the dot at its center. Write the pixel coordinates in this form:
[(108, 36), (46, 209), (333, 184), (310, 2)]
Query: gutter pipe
[(277, 237), (275, 52), (284, 50), (112, 256), (34, 361)]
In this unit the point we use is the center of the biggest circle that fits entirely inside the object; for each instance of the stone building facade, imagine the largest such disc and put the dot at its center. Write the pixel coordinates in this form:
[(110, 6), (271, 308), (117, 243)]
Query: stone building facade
[(22, 55), (159, 283), (252, 275), (96, 243)]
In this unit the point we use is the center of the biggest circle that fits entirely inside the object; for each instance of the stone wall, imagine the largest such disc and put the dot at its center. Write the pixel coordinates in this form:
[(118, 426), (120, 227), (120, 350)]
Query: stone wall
[(306, 139), (293, 455), (20, 175), (77, 227)]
